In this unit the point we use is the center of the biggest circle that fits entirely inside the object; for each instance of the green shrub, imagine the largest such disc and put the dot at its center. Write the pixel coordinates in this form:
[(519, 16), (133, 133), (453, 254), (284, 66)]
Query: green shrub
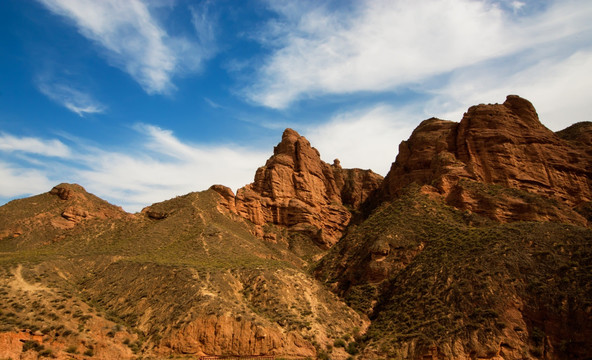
[(339, 343), (352, 348), (32, 345), (47, 353), (323, 356)]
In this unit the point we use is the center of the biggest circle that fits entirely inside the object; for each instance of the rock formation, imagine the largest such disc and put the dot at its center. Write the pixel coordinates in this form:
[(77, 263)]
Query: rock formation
[(62, 208), (226, 335), (503, 144), (298, 190)]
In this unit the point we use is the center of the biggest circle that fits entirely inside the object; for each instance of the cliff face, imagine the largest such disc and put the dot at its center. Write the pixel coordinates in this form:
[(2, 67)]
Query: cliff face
[(299, 191), (226, 335), (503, 144)]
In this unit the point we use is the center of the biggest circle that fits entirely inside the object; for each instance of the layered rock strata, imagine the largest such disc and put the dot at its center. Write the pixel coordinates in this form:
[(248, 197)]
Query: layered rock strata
[(298, 190), (503, 144)]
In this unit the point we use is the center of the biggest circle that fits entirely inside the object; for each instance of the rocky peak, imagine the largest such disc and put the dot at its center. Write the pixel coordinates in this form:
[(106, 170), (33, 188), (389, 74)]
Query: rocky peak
[(523, 109), (67, 191), (298, 190), (501, 144), (81, 205), (42, 217), (298, 165)]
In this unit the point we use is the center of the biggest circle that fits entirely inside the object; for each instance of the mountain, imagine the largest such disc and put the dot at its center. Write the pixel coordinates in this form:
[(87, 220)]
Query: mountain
[(297, 190), (481, 246), (476, 245)]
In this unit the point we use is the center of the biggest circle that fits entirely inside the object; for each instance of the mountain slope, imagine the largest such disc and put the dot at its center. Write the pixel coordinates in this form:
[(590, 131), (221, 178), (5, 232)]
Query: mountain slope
[(172, 276), (438, 281)]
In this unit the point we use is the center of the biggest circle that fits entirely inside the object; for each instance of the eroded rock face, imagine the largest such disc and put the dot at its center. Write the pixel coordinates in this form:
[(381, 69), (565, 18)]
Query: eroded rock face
[(355, 185), (501, 144), (210, 335), (298, 190)]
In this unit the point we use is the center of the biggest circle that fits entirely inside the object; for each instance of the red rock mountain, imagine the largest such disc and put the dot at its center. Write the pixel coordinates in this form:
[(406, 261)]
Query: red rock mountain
[(298, 190), (503, 144), (465, 254)]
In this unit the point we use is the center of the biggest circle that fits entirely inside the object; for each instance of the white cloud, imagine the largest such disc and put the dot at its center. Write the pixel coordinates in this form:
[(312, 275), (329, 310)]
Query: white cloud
[(385, 44), (18, 181), (133, 40), (517, 5), (167, 167), (71, 98), (366, 139), (161, 168), (31, 145), (203, 23), (558, 88)]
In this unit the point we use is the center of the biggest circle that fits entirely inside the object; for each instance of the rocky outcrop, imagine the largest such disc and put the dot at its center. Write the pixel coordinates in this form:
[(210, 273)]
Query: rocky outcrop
[(503, 144), (355, 185), (298, 190), (80, 205), (214, 335)]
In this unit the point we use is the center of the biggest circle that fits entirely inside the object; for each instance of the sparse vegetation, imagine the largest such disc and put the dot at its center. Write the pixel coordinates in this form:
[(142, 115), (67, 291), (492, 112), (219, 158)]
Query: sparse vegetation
[(32, 345), (339, 343), (441, 274)]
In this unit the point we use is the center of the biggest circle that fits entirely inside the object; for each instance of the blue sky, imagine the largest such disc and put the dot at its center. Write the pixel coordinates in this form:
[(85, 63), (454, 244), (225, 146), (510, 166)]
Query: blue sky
[(142, 100)]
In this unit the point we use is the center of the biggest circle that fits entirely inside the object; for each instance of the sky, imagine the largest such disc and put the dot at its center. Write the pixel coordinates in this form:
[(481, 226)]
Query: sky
[(140, 101)]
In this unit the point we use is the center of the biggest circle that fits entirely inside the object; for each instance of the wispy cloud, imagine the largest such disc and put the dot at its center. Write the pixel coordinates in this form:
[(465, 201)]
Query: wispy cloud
[(20, 181), (161, 167), (558, 88), (167, 167), (212, 103), (365, 138), (204, 23), (517, 5), (70, 97), (382, 45), (134, 41), (32, 145)]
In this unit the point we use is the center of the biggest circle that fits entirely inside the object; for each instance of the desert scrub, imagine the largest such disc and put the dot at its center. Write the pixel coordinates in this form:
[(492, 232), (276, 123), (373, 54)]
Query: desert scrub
[(339, 343), (32, 345)]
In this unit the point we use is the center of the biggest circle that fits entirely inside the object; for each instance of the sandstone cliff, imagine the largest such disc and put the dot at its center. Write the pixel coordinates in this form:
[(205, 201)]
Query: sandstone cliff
[(297, 190), (503, 144)]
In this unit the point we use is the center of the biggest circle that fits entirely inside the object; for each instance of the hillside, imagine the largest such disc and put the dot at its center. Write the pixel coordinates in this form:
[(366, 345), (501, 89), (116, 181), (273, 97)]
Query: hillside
[(477, 244)]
